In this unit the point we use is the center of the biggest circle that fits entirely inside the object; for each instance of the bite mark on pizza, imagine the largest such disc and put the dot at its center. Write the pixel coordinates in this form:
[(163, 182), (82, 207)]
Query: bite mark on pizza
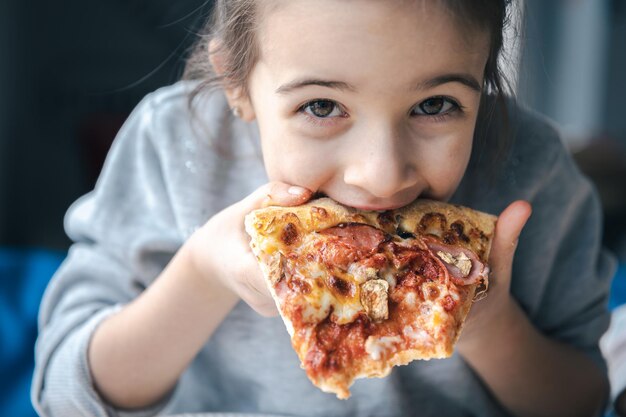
[(361, 292)]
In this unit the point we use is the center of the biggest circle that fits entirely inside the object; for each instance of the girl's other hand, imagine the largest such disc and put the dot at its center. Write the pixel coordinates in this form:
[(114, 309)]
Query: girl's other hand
[(493, 309), (221, 248)]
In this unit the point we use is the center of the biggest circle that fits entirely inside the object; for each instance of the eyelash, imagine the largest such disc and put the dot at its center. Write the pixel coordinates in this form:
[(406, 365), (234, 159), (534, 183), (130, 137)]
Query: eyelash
[(320, 121), (435, 118), (456, 109)]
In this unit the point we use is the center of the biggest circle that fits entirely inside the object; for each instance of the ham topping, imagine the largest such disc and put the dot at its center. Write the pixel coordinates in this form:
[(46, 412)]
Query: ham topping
[(462, 264), (359, 236), (461, 261), (351, 242)]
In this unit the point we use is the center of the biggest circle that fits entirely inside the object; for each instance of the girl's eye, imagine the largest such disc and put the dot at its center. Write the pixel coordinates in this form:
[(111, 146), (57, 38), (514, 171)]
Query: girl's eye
[(434, 106), (322, 109)]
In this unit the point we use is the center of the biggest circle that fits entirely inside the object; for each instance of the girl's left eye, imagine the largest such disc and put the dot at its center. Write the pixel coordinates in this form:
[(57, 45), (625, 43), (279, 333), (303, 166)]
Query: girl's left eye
[(435, 106), (322, 109)]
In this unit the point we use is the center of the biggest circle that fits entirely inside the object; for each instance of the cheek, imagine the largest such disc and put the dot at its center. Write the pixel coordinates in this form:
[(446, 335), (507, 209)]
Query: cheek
[(444, 165), (289, 156), (295, 161)]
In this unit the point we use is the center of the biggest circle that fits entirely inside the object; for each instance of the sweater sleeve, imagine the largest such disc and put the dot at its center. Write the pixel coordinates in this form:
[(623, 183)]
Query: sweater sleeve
[(561, 273), (125, 232)]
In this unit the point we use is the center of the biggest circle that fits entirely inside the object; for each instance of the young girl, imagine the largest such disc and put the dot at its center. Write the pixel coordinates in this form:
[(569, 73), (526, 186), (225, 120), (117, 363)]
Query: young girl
[(374, 104)]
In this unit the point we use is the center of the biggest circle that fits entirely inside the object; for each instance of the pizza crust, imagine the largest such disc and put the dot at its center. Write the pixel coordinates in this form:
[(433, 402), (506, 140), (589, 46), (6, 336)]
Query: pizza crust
[(324, 213)]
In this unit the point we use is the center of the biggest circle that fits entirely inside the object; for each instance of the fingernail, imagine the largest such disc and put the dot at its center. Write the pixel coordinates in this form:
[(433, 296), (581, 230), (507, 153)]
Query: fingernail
[(295, 190)]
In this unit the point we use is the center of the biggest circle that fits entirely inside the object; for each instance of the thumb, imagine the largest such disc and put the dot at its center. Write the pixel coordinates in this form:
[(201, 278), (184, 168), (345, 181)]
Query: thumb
[(508, 228)]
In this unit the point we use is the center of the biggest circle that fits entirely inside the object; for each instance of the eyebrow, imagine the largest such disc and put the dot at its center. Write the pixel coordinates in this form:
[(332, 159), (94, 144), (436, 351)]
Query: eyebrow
[(294, 85), (464, 79)]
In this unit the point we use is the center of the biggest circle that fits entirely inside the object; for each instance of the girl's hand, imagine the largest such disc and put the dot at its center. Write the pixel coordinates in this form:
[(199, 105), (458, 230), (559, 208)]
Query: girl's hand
[(221, 248), (487, 313)]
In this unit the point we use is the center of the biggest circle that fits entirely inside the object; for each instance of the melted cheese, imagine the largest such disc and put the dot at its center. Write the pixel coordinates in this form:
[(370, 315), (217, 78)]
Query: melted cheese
[(410, 299), (346, 313), (388, 275), (438, 314), (417, 336), (317, 305), (321, 301), (345, 307), (268, 246), (377, 346), (360, 273)]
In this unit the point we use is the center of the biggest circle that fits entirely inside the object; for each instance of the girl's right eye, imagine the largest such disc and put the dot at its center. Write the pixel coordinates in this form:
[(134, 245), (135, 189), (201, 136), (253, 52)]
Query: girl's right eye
[(322, 109)]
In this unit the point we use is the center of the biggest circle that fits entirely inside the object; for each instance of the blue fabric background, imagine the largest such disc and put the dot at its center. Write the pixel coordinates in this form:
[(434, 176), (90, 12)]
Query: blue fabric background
[(24, 275), (618, 289)]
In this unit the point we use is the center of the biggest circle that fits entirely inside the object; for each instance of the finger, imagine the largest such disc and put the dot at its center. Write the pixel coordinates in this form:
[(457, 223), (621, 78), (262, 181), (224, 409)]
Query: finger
[(508, 228), (255, 281), (276, 194), (281, 194), (256, 291), (265, 308), (257, 295), (259, 299)]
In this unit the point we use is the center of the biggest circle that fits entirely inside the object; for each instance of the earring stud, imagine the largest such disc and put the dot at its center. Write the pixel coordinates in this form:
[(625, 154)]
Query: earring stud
[(236, 111)]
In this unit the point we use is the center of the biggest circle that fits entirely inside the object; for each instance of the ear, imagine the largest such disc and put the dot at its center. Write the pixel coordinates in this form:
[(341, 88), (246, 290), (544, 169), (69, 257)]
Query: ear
[(236, 96)]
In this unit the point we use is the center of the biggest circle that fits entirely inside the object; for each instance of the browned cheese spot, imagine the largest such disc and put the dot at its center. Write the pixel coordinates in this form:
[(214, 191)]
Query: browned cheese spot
[(458, 228), (449, 238), (341, 286), (433, 224), (385, 219), (289, 234)]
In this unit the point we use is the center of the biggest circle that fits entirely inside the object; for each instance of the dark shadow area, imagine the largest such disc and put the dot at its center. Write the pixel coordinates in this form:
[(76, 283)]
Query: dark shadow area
[(70, 76)]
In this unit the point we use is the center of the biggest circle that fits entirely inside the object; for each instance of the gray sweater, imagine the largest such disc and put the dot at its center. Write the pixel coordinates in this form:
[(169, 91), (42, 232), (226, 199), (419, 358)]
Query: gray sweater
[(168, 173)]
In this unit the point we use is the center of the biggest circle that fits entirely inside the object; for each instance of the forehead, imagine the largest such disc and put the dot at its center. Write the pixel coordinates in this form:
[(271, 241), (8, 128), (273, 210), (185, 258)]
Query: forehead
[(368, 37)]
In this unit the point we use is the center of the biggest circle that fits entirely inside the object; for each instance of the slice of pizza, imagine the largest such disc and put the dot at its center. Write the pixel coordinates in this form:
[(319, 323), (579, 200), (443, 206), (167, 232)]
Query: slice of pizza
[(363, 291)]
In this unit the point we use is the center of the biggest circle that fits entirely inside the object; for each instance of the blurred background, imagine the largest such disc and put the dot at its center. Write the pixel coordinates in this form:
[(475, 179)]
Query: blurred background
[(71, 74)]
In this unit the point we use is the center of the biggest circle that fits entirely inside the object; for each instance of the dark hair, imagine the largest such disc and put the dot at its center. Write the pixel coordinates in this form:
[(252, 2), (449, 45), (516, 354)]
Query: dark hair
[(234, 24), (493, 133)]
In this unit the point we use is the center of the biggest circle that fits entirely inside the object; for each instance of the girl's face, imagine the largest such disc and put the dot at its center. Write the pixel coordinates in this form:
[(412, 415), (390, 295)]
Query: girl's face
[(372, 103)]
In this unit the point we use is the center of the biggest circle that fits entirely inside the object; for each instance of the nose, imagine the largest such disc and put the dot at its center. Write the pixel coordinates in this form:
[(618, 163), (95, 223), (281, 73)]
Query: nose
[(381, 163)]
